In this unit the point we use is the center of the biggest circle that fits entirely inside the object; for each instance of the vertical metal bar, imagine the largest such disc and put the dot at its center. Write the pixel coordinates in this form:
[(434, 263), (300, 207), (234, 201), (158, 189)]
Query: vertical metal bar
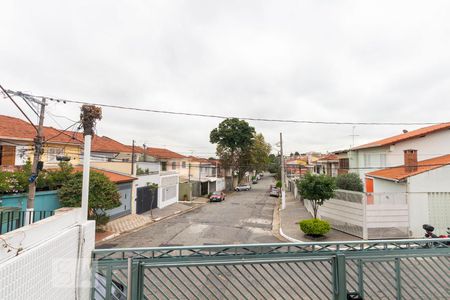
[(9, 224), (129, 278), (398, 278), (137, 281), (339, 280), (108, 283), (1, 223), (361, 277)]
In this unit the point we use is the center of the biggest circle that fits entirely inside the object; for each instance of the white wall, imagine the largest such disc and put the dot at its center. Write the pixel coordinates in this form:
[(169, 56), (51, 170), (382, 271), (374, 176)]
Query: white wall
[(48, 263), (388, 186)]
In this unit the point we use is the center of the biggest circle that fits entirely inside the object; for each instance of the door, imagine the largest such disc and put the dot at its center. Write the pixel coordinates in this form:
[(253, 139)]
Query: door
[(146, 200), (369, 190)]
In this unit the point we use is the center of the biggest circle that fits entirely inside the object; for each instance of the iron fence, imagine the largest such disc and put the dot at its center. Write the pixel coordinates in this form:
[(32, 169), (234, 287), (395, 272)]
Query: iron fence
[(14, 219), (396, 269)]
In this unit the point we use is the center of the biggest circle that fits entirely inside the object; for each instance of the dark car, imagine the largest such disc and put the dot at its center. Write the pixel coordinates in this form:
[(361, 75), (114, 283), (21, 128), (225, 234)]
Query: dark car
[(217, 197)]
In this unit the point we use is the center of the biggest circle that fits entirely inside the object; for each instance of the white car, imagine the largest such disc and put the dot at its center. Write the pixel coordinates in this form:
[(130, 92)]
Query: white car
[(243, 187)]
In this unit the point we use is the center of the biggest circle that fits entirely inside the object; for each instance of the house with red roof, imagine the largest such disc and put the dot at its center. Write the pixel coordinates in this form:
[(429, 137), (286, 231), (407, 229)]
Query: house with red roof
[(431, 141), (16, 144), (328, 164), (424, 185)]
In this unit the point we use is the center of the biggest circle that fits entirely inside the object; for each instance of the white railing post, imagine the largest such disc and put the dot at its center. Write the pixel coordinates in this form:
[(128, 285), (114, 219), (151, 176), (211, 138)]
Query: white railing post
[(364, 218)]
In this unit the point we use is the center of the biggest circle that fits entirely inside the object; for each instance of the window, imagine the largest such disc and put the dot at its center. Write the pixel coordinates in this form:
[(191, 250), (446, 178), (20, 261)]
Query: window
[(53, 153), (174, 165), (183, 165), (163, 166), (344, 163)]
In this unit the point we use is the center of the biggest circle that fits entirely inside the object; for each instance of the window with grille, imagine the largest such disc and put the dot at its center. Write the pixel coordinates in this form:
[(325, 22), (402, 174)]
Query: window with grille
[(53, 153)]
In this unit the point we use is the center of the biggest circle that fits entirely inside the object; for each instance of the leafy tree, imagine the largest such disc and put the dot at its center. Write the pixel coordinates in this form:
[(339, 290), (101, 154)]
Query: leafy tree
[(275, 165), (317, 189), (260, 151), (350, 182), (103, 194), (234, 139), (296, 153)]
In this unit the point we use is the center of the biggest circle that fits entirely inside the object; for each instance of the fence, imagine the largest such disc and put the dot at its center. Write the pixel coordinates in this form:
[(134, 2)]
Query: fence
[(14, 219), (368, 216), (397, 269)]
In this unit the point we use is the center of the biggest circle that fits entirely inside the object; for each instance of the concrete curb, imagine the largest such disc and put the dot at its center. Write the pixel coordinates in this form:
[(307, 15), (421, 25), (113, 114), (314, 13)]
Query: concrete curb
[(178, 213), (289, 238)]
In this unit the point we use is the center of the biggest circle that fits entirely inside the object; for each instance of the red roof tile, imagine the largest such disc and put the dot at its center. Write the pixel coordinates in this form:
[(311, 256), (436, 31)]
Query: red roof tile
[(399, 172), (113, 176), (329, 157), (103, 143), (18, 129), (201, 160), (405, 136)]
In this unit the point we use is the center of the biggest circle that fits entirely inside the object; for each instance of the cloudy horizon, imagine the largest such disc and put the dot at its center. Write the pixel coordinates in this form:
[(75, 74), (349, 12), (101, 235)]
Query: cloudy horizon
[(345, 61)]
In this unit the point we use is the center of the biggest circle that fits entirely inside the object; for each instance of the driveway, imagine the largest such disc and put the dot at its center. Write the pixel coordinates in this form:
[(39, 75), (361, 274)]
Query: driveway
[(244, 217)]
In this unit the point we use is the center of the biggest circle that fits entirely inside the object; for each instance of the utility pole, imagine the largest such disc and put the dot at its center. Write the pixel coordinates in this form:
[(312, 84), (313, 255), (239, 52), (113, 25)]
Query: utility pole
[(200, 178), (132, 159), (283, 192), (37, 165), (89, 115)]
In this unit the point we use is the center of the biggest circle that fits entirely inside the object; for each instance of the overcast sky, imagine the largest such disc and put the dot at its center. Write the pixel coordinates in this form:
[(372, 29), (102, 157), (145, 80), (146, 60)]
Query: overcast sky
[(314, 60)]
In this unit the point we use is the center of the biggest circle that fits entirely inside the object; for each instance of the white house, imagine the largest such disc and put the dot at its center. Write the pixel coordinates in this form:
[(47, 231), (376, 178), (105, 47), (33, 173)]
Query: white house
[(425, 185), (431, 141)]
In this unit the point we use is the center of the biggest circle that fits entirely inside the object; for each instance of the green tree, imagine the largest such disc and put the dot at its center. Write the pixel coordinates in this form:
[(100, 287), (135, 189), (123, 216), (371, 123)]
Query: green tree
[(350, 182), (317, 189), (275, 165), (296, 153), (234, 139), (103, 194), (260, 151)]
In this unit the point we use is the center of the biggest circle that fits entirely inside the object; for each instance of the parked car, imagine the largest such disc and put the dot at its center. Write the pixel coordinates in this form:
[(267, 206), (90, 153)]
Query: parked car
[(254, 181), (217, 197), (243, 187), (274, 192)]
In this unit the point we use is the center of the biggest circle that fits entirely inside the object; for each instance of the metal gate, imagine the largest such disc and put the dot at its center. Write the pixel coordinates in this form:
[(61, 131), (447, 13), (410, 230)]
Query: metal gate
[(397, 269), (147, 198)]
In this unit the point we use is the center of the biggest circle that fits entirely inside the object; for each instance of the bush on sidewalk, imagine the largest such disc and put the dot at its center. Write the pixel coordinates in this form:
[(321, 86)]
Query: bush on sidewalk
[(314, 227)]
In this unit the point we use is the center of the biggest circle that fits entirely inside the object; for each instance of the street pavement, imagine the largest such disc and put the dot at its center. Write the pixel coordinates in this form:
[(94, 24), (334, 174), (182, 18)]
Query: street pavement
[(244, 217)]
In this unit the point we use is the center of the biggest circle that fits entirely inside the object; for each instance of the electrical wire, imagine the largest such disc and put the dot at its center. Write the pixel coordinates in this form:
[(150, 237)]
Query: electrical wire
[(223, 116)]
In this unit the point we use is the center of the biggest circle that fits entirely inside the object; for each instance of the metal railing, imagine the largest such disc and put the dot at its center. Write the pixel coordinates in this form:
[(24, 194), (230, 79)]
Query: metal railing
[(14, 219), (395, 269)]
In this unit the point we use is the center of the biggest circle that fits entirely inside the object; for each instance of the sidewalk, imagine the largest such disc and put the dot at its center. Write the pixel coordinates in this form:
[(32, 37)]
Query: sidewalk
[(134, 221), (295, 212)]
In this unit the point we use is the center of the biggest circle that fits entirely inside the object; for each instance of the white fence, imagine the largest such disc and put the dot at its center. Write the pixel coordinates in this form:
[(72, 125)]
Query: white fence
[(371, 216), (49, 259)]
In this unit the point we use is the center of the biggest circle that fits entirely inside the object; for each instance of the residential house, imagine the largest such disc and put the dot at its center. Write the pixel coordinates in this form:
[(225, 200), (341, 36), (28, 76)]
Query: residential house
[(204, 175), (423, 185), (17, 144), (343, 165), (328, 164), (124, 185), (297, 166), (431, 141)]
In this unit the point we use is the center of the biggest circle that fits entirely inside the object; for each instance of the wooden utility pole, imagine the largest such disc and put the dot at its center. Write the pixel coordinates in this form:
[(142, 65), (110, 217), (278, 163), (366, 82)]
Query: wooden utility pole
[(283, 192), (38, 149)]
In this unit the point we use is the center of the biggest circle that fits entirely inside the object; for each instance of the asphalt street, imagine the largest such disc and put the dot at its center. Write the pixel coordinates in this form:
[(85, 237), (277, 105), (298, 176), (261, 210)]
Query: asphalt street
[(244, 217)]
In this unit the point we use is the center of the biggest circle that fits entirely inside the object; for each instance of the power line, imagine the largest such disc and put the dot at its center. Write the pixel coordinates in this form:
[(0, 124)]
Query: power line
[(10, 98), (226, 117)]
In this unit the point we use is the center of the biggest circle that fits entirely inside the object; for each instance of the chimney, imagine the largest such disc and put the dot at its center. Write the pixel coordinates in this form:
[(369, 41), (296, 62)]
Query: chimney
[(410, 160)]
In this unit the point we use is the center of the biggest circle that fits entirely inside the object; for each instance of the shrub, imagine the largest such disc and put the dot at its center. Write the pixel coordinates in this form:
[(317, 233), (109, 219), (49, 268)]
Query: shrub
[(279, 184), (349, 182), (315, 227)]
